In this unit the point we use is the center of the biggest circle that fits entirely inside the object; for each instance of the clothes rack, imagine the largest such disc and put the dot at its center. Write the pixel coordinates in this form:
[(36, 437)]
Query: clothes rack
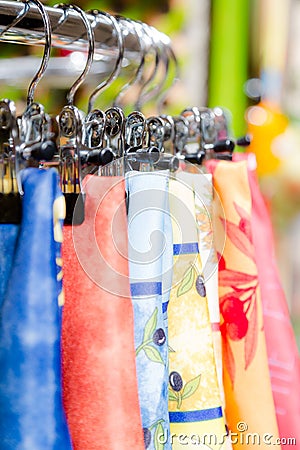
[(140, 303), (68, 32)]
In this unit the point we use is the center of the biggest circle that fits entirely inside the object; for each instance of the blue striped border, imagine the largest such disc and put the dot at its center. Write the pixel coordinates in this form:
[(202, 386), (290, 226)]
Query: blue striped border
[(146, 288), (165, 307), (186, 248), (196, 416)]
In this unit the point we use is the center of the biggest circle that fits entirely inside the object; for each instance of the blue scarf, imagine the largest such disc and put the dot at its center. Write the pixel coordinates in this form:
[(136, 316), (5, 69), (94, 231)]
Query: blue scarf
[(31, 412)]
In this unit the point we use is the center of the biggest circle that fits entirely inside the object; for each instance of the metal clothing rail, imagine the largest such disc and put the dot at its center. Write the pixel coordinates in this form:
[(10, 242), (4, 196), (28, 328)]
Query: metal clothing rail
[(71, 34)]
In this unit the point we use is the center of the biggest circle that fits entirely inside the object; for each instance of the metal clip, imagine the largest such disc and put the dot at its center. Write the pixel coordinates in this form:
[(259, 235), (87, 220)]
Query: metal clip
[(94, 152), (114, 130), (156, 132), (36, 134), (94, 128), (181, 133), (169, 127), (192, 115), (10, 199), (208, 131), (135, 131), (70, 138), (221, 124)]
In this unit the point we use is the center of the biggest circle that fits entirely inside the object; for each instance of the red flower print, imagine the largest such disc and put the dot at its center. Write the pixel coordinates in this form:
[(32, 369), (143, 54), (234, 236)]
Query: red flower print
[(235, 320), (244, 226), (239, 306), (221, 261), (238, 330), (232, 308)]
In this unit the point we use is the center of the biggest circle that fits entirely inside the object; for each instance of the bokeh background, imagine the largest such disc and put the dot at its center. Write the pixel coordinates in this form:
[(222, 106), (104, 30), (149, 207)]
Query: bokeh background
[(242, 55)]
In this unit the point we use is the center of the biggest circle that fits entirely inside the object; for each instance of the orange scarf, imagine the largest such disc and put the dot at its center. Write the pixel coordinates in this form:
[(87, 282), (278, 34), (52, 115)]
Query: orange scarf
[(248, 395), (99, 372)]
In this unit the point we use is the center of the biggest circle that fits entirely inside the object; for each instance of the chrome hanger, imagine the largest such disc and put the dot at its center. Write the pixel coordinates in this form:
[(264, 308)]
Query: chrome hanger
[(118, 63), (222, 127), (115, 131), (163, 59), (34, 124), (96, 151), (70, 137), (156, 132), (135, 130), (62, 19), (192, 116), (142, 141), (172, 57), (17, 19), (203, 140), (91, 48), (46, 55), (139, 71), (142, 92), (114, 138), (21, 138), (181, 133), (10, 198)]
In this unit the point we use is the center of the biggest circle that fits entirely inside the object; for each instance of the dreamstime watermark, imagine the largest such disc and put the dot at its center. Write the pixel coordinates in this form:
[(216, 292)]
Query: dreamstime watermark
[(212, 441)]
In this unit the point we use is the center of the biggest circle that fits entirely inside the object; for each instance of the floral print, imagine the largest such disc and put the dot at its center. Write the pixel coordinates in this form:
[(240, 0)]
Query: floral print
[(239, 306), (246, 374)]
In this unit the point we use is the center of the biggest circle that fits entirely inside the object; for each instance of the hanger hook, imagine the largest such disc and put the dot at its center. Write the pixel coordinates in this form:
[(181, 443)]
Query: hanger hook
[(139, 71), (91, 47), (176, 78), (118, 63), (62, 19), (19, 17), (139, 102), (165, 60), (46, 55)]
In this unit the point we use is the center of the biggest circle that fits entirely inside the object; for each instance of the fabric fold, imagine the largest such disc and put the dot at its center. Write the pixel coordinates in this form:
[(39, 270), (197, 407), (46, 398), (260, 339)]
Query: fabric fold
[(31, 411), (149, 242), (201, 183), (195, 406), (247, 384), (99, 370), (283, 356)]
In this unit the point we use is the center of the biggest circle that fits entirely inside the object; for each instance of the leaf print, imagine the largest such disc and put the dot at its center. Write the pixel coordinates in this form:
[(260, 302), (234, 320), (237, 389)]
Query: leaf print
[(245, 227), (159, 438), (239, 238), (187, 282), (172, 395), (241, 212), (204, 222), (233, 277), (179, 400), (228, 359), (242, 294), (153, 354), (228, 296), (150, 326), (154, 424), (191, 387), (252, 335), (245, 221)]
